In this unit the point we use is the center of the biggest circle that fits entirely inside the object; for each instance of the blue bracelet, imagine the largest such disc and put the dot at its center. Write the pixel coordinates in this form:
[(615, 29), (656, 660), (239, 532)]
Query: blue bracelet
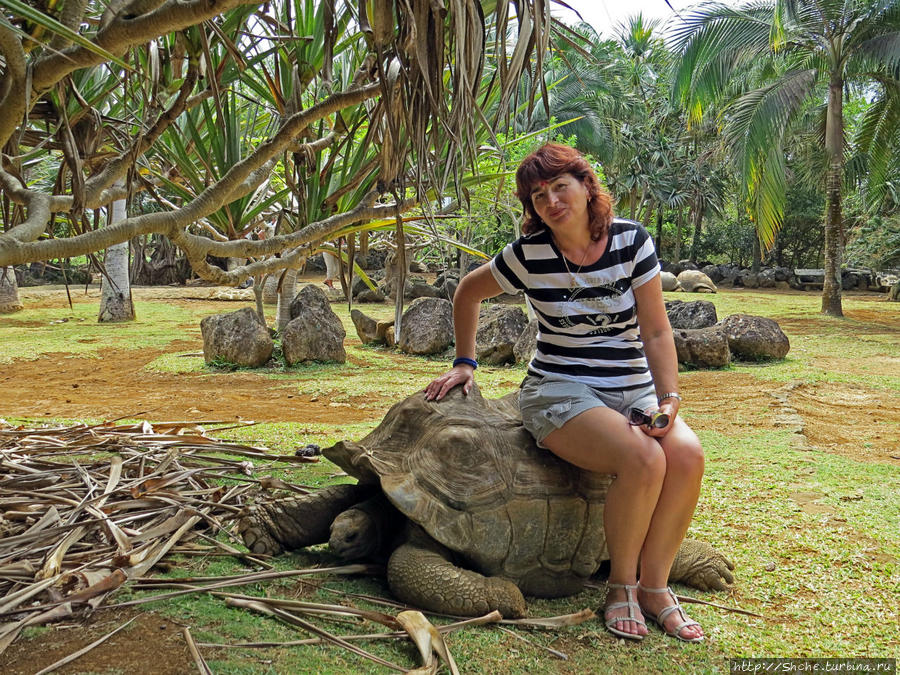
[(463, 359)]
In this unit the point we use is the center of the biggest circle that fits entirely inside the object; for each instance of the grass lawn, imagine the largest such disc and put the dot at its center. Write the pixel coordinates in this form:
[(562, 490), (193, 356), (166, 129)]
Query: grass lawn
[(809, 511)]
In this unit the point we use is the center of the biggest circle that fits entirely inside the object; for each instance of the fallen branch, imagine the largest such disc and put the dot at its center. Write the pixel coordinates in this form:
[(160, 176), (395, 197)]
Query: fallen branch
[(195, 653)]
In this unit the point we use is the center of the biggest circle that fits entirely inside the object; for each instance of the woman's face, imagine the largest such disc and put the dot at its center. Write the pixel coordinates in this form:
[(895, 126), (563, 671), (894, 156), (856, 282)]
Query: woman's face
[(561, 201)]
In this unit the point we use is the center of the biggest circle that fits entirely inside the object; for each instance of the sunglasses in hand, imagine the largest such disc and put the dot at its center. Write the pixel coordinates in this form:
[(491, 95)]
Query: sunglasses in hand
[(655, 420)]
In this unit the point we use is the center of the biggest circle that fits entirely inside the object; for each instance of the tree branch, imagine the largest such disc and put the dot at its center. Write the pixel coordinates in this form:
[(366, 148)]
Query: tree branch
[(117, 167), (124, 31), (301, 244), (242, 176), (14, 102), (72, 14)]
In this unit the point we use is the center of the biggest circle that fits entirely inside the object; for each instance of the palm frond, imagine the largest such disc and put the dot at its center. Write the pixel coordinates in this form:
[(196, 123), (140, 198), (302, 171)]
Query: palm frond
[(757, 125), (712, 42)]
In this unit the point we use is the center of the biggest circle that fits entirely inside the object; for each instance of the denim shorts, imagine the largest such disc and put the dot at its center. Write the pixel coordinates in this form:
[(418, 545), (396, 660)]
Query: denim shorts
[(547, 403)]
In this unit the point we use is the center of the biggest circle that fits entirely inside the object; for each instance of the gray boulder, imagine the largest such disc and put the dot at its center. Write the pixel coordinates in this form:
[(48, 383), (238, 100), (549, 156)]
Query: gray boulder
[(669, 281), (426, 327), (525, 346), (767, 278), (370, 296), (702, 347), (755, 337), (730, 275), (366, 327), (693, 314), (238, 337), (314, 333), (748, 279), (360, 286), (714, 272), (447, 285), (384, 332), (783, 274), (499, 327), (694, 281), (421, 289)]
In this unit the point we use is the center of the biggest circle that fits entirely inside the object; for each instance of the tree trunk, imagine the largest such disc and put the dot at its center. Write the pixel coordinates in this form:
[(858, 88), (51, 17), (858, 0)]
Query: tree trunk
[(659, 225), (678, 218), (116, 304), (258, 281), (9, 291), (834, 152), (697, 215), (757, 255), (285, 296), (400, 283)]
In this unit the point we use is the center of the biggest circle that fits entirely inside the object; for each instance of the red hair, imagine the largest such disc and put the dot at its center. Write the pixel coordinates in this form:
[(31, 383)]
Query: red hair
[(549, 161)]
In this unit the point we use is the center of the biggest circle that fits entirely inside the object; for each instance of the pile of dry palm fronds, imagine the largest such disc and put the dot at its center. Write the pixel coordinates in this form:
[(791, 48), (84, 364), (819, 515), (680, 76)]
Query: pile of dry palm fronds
[(85, 509)]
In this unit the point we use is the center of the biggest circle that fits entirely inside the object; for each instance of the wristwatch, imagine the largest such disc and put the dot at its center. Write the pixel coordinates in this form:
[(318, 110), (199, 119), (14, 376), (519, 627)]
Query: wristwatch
[(668, 394)]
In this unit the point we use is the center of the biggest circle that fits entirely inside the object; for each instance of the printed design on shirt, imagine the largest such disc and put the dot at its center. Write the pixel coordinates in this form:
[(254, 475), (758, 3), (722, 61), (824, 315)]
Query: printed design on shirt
[(604, 300)]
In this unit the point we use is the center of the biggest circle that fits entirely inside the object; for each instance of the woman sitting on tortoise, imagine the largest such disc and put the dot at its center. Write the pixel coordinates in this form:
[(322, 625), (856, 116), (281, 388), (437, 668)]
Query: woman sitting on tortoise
[(604, 346)]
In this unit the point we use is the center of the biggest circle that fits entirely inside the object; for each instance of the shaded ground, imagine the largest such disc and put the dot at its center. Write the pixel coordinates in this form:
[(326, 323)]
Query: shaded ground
[(153, 644), (848, 418)]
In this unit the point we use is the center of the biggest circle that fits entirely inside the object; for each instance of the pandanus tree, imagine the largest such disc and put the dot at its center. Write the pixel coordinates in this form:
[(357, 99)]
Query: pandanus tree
[(813, 51), (363, 108)]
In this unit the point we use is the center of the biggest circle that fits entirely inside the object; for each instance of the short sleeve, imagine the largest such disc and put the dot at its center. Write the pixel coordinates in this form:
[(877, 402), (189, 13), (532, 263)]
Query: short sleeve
[(646, 264), (508, 268)]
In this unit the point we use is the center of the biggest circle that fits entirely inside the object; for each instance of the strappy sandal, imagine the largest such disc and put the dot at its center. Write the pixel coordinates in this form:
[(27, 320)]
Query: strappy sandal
[(632, 605), (660, 618)]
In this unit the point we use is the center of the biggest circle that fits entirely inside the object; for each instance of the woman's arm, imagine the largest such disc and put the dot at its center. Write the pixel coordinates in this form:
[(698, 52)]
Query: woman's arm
[(659, 346), (476, 286)]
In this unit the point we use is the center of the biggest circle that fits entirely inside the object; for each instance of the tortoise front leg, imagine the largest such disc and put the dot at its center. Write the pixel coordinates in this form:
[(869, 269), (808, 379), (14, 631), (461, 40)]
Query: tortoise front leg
[(420, 573), (699, 565), (295, 522)]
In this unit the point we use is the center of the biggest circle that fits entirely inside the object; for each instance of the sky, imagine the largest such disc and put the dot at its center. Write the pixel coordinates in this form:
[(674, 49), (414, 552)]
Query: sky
[(606, 15)]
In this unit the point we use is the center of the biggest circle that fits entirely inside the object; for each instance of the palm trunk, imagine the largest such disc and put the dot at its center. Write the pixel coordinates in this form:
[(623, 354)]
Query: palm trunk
[(285, 296), (116, 304), (834, 151), (697, 216), (757, 254), (9, 291), (659, 226), (679, 216)]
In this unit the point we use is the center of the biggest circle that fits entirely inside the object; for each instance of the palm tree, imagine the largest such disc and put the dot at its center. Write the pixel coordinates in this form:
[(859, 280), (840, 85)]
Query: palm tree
[(813, 50)]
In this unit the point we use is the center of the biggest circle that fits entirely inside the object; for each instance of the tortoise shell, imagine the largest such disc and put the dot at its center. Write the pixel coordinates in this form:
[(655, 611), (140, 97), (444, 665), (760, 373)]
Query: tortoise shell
[(467, 471)]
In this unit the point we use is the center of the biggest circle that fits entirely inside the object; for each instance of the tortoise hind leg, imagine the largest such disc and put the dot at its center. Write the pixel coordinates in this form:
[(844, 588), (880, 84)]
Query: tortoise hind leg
[(295, 522), (420, 573), (699, 565)]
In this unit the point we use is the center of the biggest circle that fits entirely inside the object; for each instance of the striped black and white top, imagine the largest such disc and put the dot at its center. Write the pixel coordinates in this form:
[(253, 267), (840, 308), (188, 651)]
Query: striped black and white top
[(587, 323)]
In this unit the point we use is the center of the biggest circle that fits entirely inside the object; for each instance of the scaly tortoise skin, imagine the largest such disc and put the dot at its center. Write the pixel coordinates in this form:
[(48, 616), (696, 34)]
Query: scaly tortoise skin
[(491, 515)]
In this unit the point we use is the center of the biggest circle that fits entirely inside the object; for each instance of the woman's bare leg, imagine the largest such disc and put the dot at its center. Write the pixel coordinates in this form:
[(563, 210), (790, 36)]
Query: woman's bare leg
[(601, 440), (671, 518)]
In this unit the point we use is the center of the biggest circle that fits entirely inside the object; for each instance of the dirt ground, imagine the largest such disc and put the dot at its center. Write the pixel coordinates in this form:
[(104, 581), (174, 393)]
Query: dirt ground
[(846, 418)]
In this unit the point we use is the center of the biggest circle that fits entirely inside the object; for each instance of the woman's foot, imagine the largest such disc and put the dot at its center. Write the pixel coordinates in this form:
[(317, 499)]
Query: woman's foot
[(329, 283), (661, 606), (622, 613)]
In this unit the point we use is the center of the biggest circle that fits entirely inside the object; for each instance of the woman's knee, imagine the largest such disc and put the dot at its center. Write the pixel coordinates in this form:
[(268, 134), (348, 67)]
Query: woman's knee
[(684, 456), (645, 461)]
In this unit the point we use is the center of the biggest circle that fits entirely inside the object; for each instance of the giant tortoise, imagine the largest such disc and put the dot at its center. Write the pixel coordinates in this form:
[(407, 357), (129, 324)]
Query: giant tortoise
[(486, 514)]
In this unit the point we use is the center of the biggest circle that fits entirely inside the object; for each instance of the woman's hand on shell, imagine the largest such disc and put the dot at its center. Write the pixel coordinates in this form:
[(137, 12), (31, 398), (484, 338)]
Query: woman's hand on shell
[(439, 386)]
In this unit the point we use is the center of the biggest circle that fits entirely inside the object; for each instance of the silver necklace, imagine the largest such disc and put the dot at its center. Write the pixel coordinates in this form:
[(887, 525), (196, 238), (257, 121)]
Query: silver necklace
[(566, 263)]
